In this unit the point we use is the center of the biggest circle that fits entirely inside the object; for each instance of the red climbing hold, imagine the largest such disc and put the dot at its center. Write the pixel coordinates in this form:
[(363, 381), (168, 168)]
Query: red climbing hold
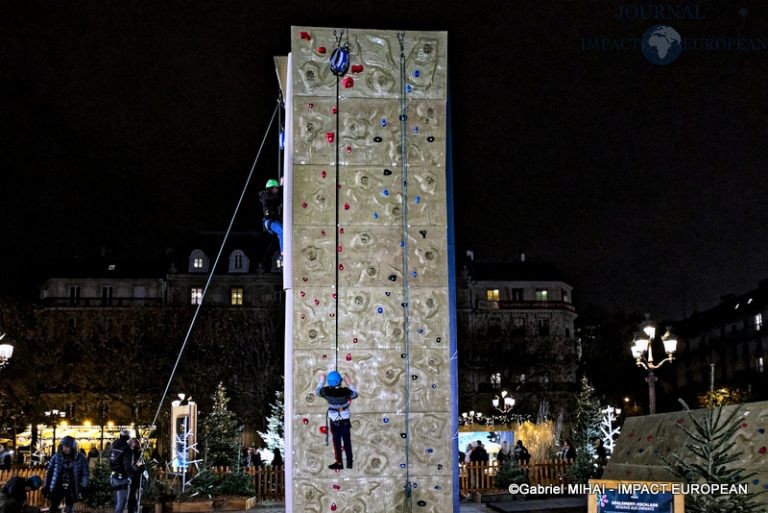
[(305, 421), (354, 340), (339, 249), (333, 295), (334, 110), (322, 233), (341, 231), (341, 267), (761, 450), (323, 429), (324, 173), (349, 149), (348, 357), (303, 204), (304, 35), (321, 49), (317, 301), (348, 82), (330, 136), (302, 293), (333, 506), (311, 105), (336, 486), (744, 425), (357, 68), (346, 206)]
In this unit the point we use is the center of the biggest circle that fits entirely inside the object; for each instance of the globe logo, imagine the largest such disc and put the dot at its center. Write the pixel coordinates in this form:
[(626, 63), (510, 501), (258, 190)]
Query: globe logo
[(661, 44)]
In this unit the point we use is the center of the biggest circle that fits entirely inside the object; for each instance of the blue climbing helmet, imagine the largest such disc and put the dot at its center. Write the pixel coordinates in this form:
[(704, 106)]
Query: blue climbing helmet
[(339, 61), (34, 482), (334, 378)]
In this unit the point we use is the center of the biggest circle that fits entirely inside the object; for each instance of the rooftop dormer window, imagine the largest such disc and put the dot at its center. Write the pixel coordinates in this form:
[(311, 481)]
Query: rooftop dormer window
[(198, 262), (238, 262)]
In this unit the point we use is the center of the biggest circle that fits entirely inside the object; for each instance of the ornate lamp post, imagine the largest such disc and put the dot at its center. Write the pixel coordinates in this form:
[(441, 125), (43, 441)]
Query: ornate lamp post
[(505, 404), (53, 417), (642, 351)]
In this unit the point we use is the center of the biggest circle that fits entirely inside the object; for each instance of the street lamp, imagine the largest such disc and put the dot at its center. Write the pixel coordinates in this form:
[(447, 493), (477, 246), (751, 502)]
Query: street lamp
[(642, 351), (471, 417), (505, 404), (6, 351)]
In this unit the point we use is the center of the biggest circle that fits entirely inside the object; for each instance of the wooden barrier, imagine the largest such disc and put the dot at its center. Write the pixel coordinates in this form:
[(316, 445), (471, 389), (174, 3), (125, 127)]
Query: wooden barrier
[(479, 477)]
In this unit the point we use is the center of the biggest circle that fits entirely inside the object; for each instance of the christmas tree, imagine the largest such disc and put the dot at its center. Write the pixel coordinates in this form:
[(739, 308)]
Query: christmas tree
[(711, 440), (586, 428), (274, 437), (222, 433)]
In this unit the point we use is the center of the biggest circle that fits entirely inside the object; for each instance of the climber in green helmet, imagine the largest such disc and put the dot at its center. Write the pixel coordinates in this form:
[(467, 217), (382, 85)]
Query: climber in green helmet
[(272, 204)]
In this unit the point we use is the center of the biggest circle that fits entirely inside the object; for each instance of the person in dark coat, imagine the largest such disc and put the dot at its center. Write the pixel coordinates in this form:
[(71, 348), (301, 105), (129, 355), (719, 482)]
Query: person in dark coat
[(13, 496), (521, 453), (567, 451), (67, 476), (479, 454), (271, 199), (138, 470), (121, 465)]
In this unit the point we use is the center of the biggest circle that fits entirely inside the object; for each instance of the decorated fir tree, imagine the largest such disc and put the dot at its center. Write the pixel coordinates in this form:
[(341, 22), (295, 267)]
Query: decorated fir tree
[(274, 437), (586, 428), (222, 433), (712, 441)]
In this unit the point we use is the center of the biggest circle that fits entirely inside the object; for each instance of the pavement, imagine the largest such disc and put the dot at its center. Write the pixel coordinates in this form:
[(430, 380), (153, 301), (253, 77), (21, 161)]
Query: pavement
[(554, 505)]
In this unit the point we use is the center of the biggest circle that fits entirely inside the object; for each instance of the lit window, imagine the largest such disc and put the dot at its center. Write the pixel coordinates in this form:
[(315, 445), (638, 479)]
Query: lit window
[(197, 295), (758, 322), (541, 294), (237, 296), (759, 363), (197, 263), (492, 294)]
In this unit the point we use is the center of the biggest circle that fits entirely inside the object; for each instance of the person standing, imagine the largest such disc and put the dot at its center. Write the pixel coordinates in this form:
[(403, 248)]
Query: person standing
[(67, 476), (5, 458), (271, 199), (121, 465), (339, 399), (521, 453), (504, 454)]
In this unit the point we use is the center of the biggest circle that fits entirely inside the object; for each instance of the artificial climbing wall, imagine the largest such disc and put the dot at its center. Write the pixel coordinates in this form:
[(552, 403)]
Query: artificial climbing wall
[(643, 440), (391, 332)]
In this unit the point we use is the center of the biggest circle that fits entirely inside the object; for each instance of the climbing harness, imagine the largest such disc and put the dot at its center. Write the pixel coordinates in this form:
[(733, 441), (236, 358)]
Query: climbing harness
[(407, 506), (210, 274)]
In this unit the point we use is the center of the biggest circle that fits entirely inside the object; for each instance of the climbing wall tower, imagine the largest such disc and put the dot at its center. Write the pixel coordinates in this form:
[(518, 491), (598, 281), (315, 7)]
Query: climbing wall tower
[(369, 270)]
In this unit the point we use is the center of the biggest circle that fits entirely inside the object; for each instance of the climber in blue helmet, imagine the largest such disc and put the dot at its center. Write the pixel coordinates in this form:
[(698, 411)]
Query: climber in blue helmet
[(271, 199), (339, 399)]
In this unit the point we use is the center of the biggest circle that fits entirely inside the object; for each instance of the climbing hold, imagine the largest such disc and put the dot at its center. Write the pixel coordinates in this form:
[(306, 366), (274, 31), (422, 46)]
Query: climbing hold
[(416, 73), (439, 339), (339, 61), (321, 50), (403, 117), (408, 88), (422, 503), (761, 450), (439, 467), (334, 110), (403, 435), (377, 139), (744, 425), (414, 377), (348, 149), (392, 277), (330, 136), (430, 450), (304, 35), (375, 215), (305, 420), (431, 139), (357, 68), (339, 249), (331, 315), (385, 420), (341, 267), (437, 487), (346, 206), (404, 305), (383, 122), (387, 293), (415, 484), (434, 385), (302, 293), (420, 330), (423, 234), (324, 173), (403, 355), (317, 301), (387, 172), (348, 357), (354, 340), (325, 357), (385, 192), (402, 465), (303, 204), (333, 506), (413, 274), (336, 486), (348, 82), (380, 310), (418, 199), (333, 295), (323, 429), (302, 316), (402, 244), (415, 130), (761, 430), (322, 233), (341, 231)]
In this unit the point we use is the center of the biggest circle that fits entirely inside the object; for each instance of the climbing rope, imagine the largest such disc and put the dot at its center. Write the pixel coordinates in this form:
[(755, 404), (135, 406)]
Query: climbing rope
[(210, 274), (407, 506)]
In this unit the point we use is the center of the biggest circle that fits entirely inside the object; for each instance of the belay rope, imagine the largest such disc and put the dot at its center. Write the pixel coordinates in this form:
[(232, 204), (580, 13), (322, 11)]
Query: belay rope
[(407, 506), (339, 64)]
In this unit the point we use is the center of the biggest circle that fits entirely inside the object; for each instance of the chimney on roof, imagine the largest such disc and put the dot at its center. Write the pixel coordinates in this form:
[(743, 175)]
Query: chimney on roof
[(522, 257)]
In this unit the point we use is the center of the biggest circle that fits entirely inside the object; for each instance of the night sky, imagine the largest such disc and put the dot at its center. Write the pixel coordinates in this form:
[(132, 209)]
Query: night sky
[(133, 124)]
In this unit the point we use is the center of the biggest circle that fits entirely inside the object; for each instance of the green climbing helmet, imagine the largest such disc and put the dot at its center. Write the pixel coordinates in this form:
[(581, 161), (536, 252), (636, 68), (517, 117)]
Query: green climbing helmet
[(272, 183)]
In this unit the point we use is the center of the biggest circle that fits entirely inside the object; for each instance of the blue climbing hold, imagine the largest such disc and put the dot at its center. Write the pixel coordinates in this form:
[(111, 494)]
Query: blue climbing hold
[(386, 420), (761, 430), (413, 274), (416, 73), (434, 385), (402, 465), (418, 199), (375, 215), (755, 481), (383, 122), (430, 450), (339, 62), (385, 192), (415, 130), (402, 244), (380, 310), (408, 88), (420, 330)]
